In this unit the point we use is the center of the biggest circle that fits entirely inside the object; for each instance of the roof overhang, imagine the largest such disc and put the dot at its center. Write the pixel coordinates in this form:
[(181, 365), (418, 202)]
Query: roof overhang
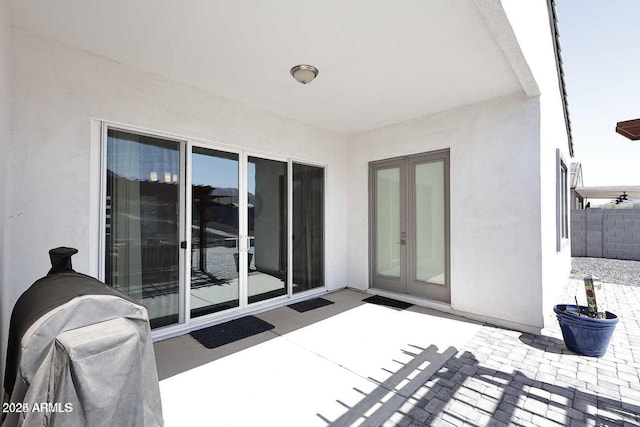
[(609, 192), (379, 64), (629, 129)]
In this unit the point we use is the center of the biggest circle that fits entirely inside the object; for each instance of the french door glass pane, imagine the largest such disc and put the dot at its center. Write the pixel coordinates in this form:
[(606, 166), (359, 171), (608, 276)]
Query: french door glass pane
[(267, 216), (214, 231), (388, 222), (142, 222), (308, 227), (430, 222)]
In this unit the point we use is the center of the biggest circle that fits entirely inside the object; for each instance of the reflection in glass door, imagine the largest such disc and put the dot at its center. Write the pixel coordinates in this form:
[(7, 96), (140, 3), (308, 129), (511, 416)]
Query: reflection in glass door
[(308, 227), (267, 227), (214, 231), (142, 222)]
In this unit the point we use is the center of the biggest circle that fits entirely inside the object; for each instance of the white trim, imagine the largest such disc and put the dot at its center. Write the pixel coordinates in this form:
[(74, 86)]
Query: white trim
[(184, 297), (243, 230), (308, 163), (188, 207), (290, 228), (324, 217), (100, 203), (177, 330)]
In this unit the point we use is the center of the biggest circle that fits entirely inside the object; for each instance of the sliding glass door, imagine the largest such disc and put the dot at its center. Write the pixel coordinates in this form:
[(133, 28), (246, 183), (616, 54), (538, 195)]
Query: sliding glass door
[(214, 231), (142, 224), (308, 227), (267, 225), (246, 230)]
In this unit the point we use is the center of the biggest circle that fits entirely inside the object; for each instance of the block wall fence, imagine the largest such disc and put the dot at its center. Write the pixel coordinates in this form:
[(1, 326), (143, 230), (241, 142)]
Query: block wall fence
[(606, 233)]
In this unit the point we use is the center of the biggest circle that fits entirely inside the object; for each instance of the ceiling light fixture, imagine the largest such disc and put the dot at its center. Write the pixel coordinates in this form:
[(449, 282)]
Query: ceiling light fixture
[(304, 73)]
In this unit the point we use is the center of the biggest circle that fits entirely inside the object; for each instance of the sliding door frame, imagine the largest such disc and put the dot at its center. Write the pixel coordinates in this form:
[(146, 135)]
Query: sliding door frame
[(324, 225), (185, 322)]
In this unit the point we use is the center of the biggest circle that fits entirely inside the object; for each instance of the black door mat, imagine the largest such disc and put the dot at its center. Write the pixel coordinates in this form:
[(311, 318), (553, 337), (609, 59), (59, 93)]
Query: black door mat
[(234, 330), (310, 304), (377, 299)]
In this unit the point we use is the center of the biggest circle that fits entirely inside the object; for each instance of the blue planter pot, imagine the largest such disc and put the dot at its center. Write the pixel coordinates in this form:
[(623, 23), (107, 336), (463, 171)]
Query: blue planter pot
[(582, 334)]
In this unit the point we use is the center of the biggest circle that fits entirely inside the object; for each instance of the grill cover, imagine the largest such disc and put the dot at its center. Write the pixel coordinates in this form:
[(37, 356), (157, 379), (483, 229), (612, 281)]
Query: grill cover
[(79, 353)]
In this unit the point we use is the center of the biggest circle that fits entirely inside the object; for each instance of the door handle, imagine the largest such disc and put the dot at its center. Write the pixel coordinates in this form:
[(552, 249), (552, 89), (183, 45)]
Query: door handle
[(403, 242)]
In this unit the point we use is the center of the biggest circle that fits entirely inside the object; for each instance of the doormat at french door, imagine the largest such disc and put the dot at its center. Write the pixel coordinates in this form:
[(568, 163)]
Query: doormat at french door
[(377, 299), (310, 304), (234, 330)]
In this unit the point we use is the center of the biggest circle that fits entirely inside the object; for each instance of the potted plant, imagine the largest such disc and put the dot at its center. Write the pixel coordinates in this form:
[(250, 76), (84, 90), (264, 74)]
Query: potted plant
[(586, 330)]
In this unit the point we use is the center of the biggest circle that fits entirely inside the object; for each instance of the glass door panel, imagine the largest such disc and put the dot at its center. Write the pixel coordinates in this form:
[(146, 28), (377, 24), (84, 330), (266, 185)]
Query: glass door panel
[(214, 231), (267, 229), (428, 246), (388, 222), (308, 227), (430, 222), (388, 235), (142, 230)]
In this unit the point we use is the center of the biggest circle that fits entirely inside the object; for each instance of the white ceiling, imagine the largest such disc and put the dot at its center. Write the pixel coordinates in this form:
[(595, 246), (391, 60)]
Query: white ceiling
[(380, 61)]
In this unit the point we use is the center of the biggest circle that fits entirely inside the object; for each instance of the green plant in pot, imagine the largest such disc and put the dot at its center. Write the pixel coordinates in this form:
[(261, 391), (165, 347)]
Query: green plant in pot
[(585, 329)]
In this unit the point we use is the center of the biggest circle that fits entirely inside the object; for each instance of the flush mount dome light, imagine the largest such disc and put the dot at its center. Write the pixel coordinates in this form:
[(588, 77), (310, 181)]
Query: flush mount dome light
[(304, 73)]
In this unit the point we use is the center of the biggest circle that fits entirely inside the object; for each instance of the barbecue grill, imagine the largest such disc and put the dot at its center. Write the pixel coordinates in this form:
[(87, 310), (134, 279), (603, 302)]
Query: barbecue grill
[(80, 353)]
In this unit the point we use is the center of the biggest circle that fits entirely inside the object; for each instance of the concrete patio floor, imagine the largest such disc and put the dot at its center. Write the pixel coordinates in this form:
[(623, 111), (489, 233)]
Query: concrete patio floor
[(354, 363)]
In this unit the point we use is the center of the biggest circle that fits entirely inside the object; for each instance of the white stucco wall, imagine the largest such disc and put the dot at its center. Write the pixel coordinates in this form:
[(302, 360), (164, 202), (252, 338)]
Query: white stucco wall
[(495, 209), (4, 140), (531, 25), (54, 163)]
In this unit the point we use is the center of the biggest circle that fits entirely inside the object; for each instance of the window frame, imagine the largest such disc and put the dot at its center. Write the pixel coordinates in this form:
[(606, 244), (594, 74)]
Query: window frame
[(562, 202)]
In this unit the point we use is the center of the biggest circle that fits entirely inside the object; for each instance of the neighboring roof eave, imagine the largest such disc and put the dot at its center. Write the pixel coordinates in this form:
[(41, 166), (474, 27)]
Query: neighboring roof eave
[(576, 175), (610, 192), (629, 129), (553, 18)]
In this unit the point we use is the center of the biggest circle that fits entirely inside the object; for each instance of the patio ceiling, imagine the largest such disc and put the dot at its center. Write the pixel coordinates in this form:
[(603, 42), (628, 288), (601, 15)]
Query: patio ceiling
[(609, 192), (380, 62)]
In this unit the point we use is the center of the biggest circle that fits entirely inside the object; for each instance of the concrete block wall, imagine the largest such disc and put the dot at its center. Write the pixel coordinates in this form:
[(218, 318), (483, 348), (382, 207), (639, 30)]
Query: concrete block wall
[(578, 233), (594, 233), (606, 233)]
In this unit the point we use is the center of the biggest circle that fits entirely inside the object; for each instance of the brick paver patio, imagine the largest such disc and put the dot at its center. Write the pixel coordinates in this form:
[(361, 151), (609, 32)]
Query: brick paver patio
[(504, 377)]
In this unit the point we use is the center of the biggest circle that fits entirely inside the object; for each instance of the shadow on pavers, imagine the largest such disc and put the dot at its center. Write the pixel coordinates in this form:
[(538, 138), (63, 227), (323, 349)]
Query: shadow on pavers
[(457, 388), (544, 343)]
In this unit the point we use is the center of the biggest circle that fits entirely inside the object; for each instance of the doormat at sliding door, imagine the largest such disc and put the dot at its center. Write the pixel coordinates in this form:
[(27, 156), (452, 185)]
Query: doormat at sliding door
[(377, 299), (234, 330), (310, 304)]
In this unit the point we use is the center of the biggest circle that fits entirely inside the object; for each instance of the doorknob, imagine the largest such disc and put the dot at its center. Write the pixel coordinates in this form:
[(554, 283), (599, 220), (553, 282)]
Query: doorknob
[(403, 238)]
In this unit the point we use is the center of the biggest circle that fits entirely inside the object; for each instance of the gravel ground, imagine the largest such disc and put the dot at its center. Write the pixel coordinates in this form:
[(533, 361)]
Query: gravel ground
[(617, 271)]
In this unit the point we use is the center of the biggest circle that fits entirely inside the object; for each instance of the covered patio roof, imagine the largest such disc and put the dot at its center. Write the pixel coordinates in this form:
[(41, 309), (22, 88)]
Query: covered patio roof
[(379, 65), (610, 192)]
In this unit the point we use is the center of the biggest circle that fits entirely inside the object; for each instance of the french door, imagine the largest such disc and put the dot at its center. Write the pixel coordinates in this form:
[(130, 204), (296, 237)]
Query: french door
[(409, 225), (194, 232)]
